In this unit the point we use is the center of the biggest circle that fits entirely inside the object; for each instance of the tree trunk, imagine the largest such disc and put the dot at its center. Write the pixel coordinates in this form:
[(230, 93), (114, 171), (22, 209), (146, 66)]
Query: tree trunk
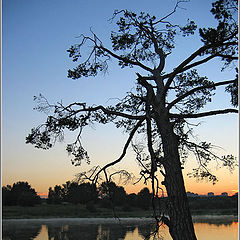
[(180, 221)]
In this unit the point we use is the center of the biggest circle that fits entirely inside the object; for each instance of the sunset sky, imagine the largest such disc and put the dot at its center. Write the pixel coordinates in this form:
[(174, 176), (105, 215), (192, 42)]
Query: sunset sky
[(36, 35)]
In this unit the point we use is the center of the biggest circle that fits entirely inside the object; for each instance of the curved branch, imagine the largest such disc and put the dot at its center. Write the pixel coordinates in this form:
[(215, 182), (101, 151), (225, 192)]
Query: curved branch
[(168, 15), (171, 104), (204, 114), (105, 110), (123, 152), (120, 114), (227, 56)]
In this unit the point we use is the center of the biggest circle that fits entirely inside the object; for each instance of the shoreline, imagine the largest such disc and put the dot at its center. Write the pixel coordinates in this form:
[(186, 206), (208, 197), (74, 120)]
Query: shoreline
[(97, 220)]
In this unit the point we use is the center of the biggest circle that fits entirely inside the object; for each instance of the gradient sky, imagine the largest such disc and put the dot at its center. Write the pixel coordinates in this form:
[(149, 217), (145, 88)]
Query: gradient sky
[(36, 35)]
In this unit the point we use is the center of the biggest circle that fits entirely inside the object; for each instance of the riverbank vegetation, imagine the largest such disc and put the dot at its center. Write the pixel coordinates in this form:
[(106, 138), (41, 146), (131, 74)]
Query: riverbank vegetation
[(86, 200), (200, 206)]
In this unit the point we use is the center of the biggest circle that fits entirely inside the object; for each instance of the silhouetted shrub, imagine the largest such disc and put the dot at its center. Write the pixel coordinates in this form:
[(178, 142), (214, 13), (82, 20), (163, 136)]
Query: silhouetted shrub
[(20, 193), (144, 198)]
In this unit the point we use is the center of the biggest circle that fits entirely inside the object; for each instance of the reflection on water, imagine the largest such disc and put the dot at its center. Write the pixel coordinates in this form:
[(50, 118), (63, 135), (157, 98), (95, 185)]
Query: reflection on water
[(21, 232), (217, 231), (138, 230)]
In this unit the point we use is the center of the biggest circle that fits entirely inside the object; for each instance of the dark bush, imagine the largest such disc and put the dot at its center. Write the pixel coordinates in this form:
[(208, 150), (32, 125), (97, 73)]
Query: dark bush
[(20, 193)]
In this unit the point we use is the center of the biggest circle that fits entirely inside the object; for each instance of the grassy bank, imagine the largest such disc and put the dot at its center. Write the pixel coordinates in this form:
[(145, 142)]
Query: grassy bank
[(226, 211), (80, 211), (71, 211)]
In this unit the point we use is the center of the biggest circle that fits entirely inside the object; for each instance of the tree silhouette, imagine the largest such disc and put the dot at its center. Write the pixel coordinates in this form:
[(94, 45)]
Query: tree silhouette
[(20, 193), (72, 192), (144, 197), (161, 105), (115, 194), (132, 200), (58, 194), (50, 198), (6, 195), (88, 192)]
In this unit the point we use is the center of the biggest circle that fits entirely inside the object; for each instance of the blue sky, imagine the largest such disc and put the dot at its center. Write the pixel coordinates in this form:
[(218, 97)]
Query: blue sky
[(36, 35)]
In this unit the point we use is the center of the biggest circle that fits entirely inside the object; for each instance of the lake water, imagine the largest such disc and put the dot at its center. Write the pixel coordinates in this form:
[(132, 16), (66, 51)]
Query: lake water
[(111, 229)]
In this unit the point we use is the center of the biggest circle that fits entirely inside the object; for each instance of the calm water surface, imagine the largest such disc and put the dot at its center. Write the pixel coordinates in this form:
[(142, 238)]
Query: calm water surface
[(109, 229)]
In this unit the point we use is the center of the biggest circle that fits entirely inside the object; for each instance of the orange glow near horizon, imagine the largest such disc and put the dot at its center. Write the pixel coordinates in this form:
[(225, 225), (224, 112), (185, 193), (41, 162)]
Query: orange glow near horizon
[(202, 188), (228, 182), (133, 189), (137, 188), (42, 194)]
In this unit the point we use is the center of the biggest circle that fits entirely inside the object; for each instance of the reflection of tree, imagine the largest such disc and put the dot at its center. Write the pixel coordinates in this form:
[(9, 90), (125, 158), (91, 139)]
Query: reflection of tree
[(57, 232), (15, 231), (217, 222), (131, 228), (72, 232), (113, 231), (226, 224), (145, 230), (149, 231), (23, 231), (83, 232)]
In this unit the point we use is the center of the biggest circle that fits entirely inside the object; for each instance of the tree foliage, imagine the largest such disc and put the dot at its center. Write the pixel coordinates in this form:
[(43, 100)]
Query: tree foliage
[(20, 193), (72, 192)]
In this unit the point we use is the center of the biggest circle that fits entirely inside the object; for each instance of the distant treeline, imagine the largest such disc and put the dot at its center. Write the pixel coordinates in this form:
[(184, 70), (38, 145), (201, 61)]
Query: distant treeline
[(223, 203), (105, 196), (20, 193)]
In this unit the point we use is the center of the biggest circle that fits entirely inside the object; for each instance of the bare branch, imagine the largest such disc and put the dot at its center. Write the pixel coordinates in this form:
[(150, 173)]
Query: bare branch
[(123, 152), (227, 56), (120, 114), (197, 89), (100, 107), (204, 114), (171, 13)]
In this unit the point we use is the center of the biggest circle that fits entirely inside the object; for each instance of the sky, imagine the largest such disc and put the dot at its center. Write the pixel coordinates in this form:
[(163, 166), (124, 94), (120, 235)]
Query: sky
[(35, 37)]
